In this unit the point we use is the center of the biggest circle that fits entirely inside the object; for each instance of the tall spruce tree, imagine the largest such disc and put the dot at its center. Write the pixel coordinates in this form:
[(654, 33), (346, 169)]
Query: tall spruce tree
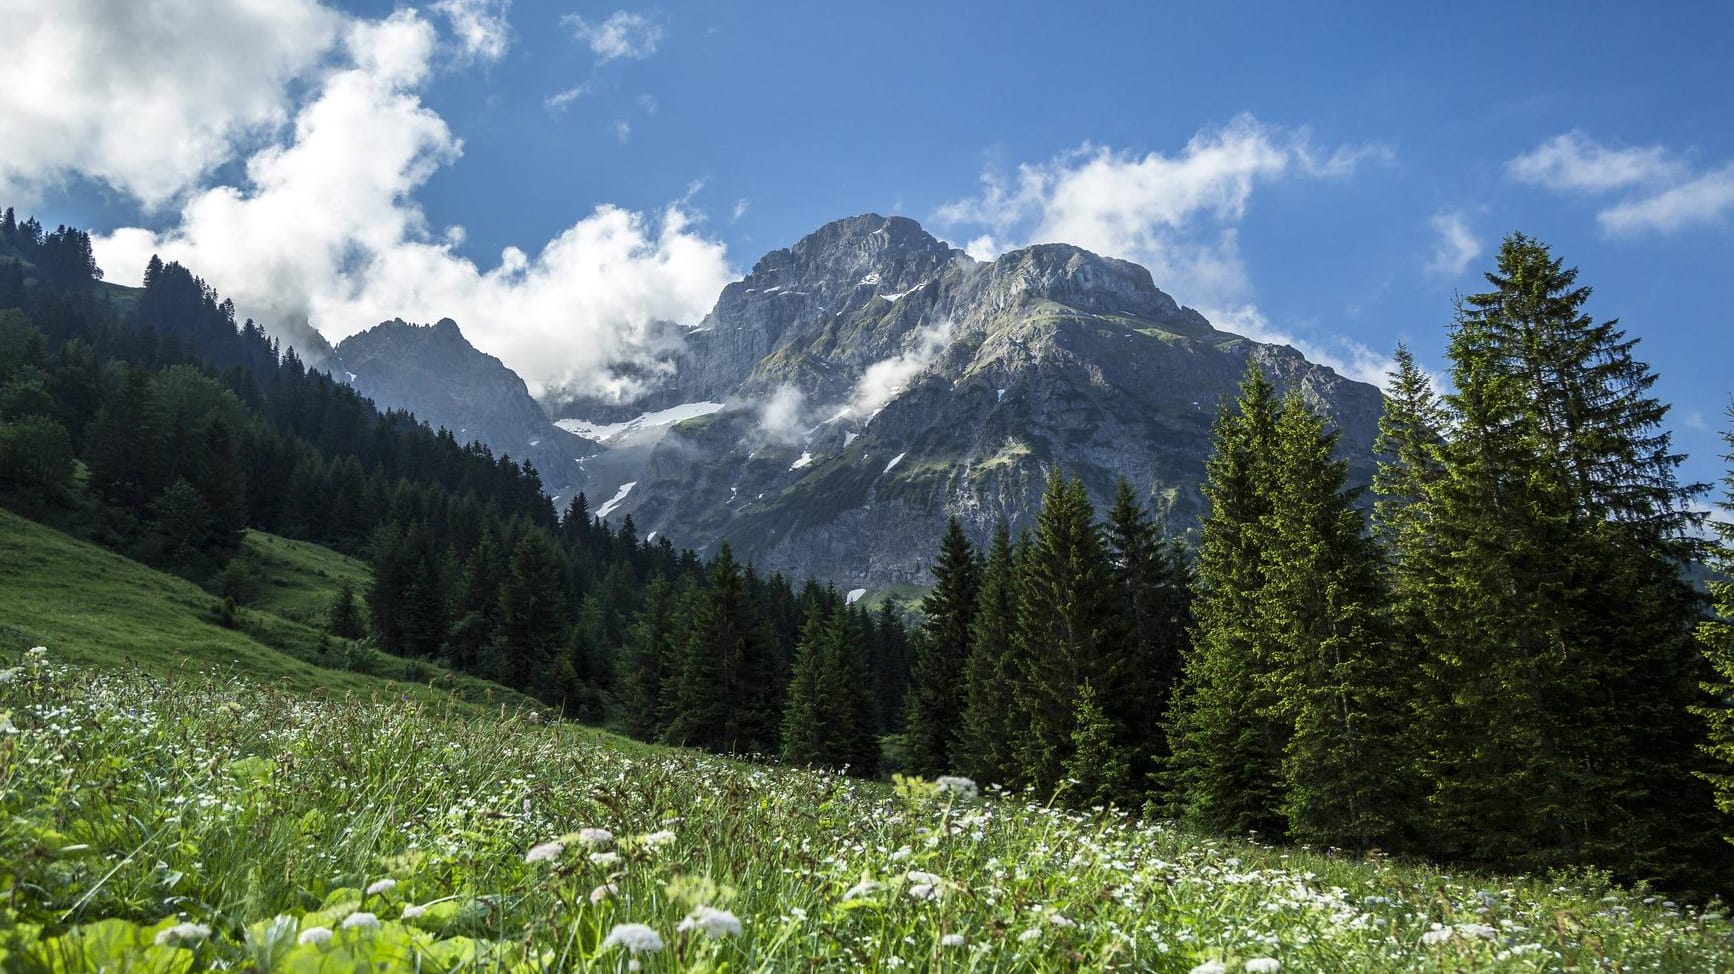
[(829, 716), (933, 721), (725, 680), (1155, 602), (1226, 737), (1335, 677), (1561, 730), (1068, 635), (990, 673), (1716, 634)]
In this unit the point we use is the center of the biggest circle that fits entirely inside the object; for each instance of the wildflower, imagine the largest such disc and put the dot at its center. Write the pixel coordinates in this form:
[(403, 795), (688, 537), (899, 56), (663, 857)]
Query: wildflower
[(1029, 935), (546, 852), (8, 675), (657, 840), (951, 940), (1061, 920), (411, 911), (863, 889), (382, 886), (595, 836), (37, 653), (603, 892), (715, 923), (1211, 967), (361, 921), (957, 785), (6, 724), (604, 858), (1436, 936), (314, 935), (637, 938), (1480, 930), (182, 934), (917, 876), (924, 891), (1263, 965)]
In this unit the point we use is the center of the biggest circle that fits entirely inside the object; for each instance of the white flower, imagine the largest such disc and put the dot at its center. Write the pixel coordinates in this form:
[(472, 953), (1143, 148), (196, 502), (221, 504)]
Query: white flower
[(924, 891), (37, 652), (411, 911), (1436, 936), (1061, 920), (864, 888), (8, 675), (635, 937), (917, 876), (1210, 967), (603, 892), (181, 934), (1029, 935), (1481, 930), (382, 886), (360, 921), (595, 836), (951, 940), (957, 785), (657, 840), (546, 852), (715, 923), (1263, 965), (314, 935), (604, 858)]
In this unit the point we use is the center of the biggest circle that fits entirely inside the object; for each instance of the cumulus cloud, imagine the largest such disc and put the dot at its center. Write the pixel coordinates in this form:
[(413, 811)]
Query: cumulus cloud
[(1701, 199), (1178, 214), (1174, 214), (883, 380), (1574, 162), (324, 228), (1662, 194), (1345, 356), (1456, 247), (623, 35), (479, 25), (148, 96)]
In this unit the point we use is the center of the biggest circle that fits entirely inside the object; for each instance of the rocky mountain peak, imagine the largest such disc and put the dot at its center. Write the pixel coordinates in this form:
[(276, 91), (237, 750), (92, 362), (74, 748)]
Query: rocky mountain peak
[(1084, 281)]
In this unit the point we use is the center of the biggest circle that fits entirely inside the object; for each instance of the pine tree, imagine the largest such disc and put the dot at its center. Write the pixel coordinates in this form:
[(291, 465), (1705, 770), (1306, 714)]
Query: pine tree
[(1335, 677), (725, 682), (889, 664), (1068, 634), (806, 712), (649, 659), (1716, 634), (1098, 767), (990, 674), (533, 609), (1561, 732), (936, 691), (344, 618), (1155, 604), (1225, 737)]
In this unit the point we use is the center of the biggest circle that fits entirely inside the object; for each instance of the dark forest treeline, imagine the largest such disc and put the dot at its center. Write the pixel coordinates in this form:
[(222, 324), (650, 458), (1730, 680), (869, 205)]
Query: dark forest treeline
[(191, 427), (1502, 663)]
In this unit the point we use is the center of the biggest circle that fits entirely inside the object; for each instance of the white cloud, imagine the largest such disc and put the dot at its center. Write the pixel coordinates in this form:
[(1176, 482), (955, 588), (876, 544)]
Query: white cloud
[(623, 35), (479, 25), (1702, 199), (325, 228), (1574, 162), (883, 380), (1174, 214), (1347, 357), (1178, 215), (558, 101), (622, 131), (740, 210), (782, 416), (146, 96), (1663, 193), (1456, 247)]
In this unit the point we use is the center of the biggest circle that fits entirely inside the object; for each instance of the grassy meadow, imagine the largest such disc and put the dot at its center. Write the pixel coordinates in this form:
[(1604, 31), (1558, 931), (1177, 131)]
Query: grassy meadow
[(178, 796)]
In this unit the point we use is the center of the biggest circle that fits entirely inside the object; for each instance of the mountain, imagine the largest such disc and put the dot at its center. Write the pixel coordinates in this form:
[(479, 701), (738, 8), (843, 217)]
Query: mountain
[(436, 373), (856, 389)]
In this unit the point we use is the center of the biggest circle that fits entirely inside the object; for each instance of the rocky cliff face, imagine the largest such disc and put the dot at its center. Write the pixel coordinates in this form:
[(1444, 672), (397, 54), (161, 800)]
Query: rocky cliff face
[(436, 373), (876, 382)]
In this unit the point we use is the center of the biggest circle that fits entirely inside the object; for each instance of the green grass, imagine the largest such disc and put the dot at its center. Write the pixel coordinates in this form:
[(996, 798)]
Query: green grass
[(93, 606), (298, 580), (253, 814)]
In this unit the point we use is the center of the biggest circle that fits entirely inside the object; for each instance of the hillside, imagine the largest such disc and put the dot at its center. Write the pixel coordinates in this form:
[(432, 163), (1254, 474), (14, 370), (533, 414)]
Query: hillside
[(213, 822), (96, 607)]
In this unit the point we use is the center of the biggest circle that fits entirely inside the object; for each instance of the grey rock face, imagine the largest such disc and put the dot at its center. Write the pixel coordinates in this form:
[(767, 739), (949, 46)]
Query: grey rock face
[(914, 383), (434, 372)]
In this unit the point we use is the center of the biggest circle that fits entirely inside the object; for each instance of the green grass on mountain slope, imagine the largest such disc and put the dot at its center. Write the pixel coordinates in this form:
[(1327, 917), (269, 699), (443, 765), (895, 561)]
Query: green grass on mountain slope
[(209, 823), (90, 605)]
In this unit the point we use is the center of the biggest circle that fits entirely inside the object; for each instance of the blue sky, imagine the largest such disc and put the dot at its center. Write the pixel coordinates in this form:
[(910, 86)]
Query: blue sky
[(1325, 174)]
